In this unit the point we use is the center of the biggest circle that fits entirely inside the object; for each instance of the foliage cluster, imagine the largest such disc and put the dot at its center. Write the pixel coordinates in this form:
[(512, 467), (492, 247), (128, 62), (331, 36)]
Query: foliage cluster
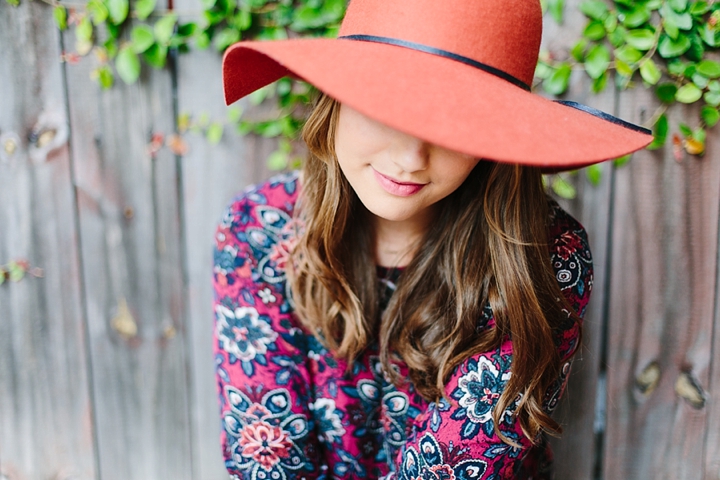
[(666, 44)]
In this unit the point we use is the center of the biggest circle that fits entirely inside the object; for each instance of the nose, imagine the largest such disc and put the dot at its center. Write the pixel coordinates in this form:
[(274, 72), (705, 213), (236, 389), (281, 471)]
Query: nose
[(411, 154)]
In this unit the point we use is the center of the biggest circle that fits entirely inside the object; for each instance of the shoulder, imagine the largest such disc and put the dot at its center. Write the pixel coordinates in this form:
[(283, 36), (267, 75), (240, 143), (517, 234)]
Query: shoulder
[(278, 194), (257, 230), (569, 251)]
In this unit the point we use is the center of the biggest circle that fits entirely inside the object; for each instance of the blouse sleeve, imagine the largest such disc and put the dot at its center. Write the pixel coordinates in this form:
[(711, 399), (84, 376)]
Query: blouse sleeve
[(457, 439), (263, 380)]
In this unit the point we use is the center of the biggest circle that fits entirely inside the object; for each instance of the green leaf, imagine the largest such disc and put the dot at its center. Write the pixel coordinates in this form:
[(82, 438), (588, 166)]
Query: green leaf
[(660, 131), (164, 28), (156, 55), (650, 72), (225, 38), (141, 38), (594, 9), (699, 8), (118, 10), (700, 81), (712, 98), (709, 35), (60, 16), (683, 21), (214, 133), (622, 161), (128, 65), (594, 174), (202, 40), (243, 20), (641, 39), (98, 11), (666, 92), (710, 115), (714, 86), (611, 22), (277, 160), (558, 82), (670, 48), (628, 54), (12, 3), (543, 70), (594, 30), (563, 189), (637, 17), (597, 61), (671, 28), (578, 50), (105, 77), (600, 83), (143, 8), (697, 49), (556, 8), (685, 130), (678, 5), (16, 271), (623, 68), (708, 68), (654, 4), (84, 30), (688, 93)]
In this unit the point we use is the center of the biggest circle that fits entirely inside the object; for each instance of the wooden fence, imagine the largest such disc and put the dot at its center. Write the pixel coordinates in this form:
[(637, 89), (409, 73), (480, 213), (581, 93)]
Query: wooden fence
[(106, 369)]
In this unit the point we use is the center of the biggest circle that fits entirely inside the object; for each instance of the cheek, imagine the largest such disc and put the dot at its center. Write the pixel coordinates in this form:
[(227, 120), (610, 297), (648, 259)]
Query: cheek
[(454, 171)]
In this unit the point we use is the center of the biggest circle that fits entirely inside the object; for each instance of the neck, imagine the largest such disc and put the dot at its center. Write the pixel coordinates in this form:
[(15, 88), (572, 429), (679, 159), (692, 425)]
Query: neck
[(397, 241)]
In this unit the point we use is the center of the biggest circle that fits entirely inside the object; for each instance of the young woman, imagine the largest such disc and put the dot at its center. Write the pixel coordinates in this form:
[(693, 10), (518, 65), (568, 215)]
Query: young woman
[(408, 305)]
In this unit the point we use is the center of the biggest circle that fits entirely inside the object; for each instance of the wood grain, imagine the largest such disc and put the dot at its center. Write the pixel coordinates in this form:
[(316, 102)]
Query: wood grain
[(662, 301), (46, 422), (129, 216), (212, 175), (577, 449)]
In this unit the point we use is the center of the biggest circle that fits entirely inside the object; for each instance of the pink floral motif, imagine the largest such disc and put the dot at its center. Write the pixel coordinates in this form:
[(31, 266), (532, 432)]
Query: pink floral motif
[(264, 443)]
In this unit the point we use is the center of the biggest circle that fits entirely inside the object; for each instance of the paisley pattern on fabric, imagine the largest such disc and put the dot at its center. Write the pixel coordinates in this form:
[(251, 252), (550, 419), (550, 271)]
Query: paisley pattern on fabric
[(291, 410)]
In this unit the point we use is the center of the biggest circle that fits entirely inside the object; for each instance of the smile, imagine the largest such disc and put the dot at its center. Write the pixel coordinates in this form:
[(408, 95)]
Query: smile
[(393, 187)]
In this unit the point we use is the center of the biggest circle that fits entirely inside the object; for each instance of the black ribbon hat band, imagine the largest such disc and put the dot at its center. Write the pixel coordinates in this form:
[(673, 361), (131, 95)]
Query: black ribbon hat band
[(493, 71), (441, 53)]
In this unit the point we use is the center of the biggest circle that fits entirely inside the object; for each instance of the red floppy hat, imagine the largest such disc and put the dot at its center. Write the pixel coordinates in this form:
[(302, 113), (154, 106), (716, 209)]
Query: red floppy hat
[(455, 73)]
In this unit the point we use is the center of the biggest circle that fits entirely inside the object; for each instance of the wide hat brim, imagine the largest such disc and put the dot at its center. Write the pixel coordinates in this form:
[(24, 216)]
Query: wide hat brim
[(440, 100)]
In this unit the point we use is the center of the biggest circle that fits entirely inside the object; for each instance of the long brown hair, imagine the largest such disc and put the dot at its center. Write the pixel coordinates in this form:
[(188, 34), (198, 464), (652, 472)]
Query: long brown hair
[(488, 245)]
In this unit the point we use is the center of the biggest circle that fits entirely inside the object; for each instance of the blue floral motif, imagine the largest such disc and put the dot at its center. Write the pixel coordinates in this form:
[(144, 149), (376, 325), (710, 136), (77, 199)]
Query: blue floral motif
[(436, 461), (271, 242), (265, 438), (386, 409), (245, 335), (478, 391), (328, 420)]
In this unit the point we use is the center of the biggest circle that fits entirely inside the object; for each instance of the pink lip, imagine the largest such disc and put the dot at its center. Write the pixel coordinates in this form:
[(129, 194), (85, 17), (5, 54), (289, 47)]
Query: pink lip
[(393, 187)]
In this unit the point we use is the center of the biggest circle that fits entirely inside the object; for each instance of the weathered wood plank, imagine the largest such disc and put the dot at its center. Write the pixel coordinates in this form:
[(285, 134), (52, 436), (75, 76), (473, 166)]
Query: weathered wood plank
[(46, 421), (576, 451), (663, 287), (131, 251), (212, 175), (712, 438)]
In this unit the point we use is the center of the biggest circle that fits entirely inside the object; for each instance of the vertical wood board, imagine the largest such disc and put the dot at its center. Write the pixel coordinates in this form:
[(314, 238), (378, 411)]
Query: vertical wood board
[(212, 175), (576, 450), (663, 287), (130, 231), (46, 428)]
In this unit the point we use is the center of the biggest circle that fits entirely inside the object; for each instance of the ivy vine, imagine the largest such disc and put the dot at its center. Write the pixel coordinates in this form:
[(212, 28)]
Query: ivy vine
[(665, 44)]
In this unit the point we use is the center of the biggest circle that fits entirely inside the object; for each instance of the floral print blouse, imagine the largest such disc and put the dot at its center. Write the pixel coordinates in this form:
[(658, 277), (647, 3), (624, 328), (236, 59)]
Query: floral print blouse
[(289, 410)]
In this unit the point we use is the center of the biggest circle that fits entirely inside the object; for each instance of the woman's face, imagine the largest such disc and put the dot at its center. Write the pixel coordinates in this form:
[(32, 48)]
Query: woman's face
[(396, 176)]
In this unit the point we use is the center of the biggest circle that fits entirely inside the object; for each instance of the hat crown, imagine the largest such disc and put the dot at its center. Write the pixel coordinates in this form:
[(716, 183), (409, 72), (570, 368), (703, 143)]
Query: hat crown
[(504, 34)]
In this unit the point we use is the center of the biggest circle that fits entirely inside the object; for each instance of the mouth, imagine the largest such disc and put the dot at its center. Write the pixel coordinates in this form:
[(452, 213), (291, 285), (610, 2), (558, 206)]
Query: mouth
[(395, 187)]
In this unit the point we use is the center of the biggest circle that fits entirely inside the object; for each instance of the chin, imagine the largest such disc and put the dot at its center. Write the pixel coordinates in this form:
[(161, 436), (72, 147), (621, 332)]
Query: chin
[(391, 214)]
